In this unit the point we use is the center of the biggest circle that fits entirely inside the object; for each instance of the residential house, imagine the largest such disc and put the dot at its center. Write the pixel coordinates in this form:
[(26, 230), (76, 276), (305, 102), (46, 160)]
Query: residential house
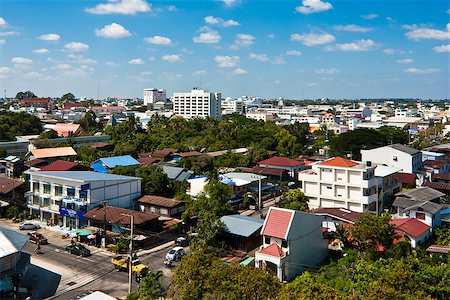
[(436, 166), (52, 154), (11, 166), (388, 185), (36, 102), (340, 182), (429, 155), (107, 110), (106, 164), (196, 185), (177, 173), (242, 232), (61, 165), (164, 206), (397, 155), (12, 190), (273, 175), (242, 183), (406, 180), (332, 217), (100, 146), (276, 162), (416, 231), (292, 241), (65, 130)]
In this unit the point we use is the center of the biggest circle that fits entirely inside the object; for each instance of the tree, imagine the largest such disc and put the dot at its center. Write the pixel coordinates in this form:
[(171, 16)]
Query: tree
[(14, 124), (443, 236), (24, 95), (150, 287), (90, 124), (68, 97), (3, 152), (49, 134), (307, 286), (295, 199)]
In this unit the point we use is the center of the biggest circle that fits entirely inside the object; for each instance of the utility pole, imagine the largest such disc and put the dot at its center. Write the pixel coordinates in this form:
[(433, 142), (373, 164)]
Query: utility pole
[(130, 267), (104, 223)]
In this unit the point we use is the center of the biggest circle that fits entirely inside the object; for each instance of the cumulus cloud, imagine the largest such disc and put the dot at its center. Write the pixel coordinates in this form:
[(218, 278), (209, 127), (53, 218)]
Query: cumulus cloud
[(123, 7), (76, 46), (40, 51), (136, 61), (390, 51), (239, 71), (369, 16), (313, 39), (417, 34), (21, 60), (49, 37), (5, 72), (352, 28), (227, 61), (360, 45), (324, 71), (313, 6), (220, 22), (244, 40), (442, 49), (172, 58), (113, 31), (421, 71), (9, 33), (405, 61), (294, 52), (199, 73), (230, 3), (258, 57), (207, 36), (81, 60), (2, 42), (2, 22), (158, 40)]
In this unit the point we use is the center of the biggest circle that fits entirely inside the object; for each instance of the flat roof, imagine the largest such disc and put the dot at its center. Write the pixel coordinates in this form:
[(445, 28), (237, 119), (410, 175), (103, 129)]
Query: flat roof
[(84, 175)]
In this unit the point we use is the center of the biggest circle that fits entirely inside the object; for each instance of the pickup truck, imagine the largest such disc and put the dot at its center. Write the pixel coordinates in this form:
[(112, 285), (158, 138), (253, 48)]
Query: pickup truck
[(121, 263)]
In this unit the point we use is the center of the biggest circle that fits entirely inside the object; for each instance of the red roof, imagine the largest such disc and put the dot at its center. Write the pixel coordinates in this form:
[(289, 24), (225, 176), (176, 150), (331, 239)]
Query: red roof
[(445, 176), (410, 226), (36, 100), (160, 201), (60, 165), (277, 222), (281, 161), (439, 249), (408, 178), (437, 185), (339, 162), (8, 184), (435, 164), (102, 108), (340, 213), (273, 250), (267, 171)]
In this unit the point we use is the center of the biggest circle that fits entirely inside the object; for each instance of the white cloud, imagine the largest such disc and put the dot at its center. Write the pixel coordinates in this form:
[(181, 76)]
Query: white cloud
[(220, 22), (124, 7), (369, 16), (243, 39), (239, 71), (9, 33), (172, 58), (421, 71), (113, 31), (324, 71), (417, 34), (34, 75), (294, 52), (227, 61), (76, 46), (313, 6), (390, 51), (40, 51), (405, 61), (49, 37), (111, 64), (5, 72), (352, 28), (207, 36), (63, 67), (2, 42), (81, 71), (81, 60), (2, 22), (172, 8), (442, 49), (21, 60), (230, 3), (313, 39), (136, 61), (279, 61), (158, 40), (199, 73), (360, 45), (258, 57)]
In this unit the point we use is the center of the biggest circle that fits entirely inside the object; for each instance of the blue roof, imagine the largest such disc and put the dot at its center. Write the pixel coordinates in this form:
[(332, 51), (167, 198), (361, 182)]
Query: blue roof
[(242, 225), (125, 161), (85, 175), (445, 211), (17, 239)]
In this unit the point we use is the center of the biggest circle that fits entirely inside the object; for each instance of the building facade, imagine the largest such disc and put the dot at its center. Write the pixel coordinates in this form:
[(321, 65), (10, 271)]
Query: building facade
[(197, 103), (151, 96), (399, 156)]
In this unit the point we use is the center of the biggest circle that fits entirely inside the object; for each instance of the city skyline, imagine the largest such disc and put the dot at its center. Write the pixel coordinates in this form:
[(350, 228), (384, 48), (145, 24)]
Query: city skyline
[(293, 49)]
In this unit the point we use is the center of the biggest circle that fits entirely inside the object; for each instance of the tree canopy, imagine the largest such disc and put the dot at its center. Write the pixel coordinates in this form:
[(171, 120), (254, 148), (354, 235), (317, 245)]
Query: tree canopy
[(14, 124), (294, 199), (49, 134), (24, 95), (68, 97)]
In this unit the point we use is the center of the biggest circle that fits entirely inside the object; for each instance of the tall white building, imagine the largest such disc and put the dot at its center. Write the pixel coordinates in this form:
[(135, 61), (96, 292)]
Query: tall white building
[(230, 106), (197, 103), (151, 96)]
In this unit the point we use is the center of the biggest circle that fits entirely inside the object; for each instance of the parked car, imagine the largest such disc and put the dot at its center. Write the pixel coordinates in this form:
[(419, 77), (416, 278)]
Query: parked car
[(78, 249), (182, 241), (37, 238), (29, 226), (175, 254)]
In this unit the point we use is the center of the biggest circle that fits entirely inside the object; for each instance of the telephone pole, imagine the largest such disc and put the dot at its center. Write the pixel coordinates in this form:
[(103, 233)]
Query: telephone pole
[(130, 267)]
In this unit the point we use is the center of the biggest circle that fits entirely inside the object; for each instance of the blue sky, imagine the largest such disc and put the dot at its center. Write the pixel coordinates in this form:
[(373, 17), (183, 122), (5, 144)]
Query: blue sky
[(293, 49)]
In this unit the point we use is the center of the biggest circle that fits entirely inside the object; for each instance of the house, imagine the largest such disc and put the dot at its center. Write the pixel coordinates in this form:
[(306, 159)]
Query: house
[(397, 155), (12, 189), (416, 231), (388, 185), (106, 164), (176, 173), (164, 206), (64, 197), (242, 232), (336, 216), (407, 180), (429, 155), (51, 154), (436, 166), (422, 203), (107, 110), (100, 146), (36, 102), (272, 174), (61, 165), (65, 130), (11, 166), (242, 183), (292, 241), (439, 186), (196, 185), (277, 162), (340, 182)]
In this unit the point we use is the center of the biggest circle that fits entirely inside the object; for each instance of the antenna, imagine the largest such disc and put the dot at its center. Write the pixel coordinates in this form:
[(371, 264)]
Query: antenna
[(5, 95), (98, 90)]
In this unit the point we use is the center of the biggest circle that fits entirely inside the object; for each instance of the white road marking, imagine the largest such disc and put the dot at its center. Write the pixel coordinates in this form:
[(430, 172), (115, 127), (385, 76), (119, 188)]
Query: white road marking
[(88, 259)]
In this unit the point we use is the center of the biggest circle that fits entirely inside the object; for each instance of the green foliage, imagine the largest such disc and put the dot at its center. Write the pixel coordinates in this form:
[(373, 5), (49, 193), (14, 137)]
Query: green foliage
[(150, 287), (295, 199), (443, 236), (49, 134), (12, 212), (14, 124), (307, 287), (68, 97), (24, 95), (3, 152), (122, 244), (89, 124), (87, 155)]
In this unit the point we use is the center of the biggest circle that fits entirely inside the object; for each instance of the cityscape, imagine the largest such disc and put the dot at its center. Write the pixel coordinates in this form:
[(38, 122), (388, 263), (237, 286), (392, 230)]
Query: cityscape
[(228, 149)]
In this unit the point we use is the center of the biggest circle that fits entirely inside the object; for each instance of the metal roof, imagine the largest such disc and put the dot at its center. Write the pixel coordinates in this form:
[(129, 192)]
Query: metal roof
[(421, 194), (84, 176), (11, 241), (242, 225), (125, 160), (404, 148), (53, 152), (409, 204), (383, 171)]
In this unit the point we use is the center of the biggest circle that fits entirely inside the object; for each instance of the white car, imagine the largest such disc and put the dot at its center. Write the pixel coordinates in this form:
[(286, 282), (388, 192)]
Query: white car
[(29, 226), (175, 254)]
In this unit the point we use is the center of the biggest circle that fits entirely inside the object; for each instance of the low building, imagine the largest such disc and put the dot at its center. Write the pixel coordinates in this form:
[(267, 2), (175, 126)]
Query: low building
[(436, 166), (11, 166), (12, 190), (406, 180), (242, 183), (51, 154), (277, 162), (196, 185), (36, 102), (397, 155), (62, 165), (242, 232), (177, 173), (106, 164), (65, 129), (416, 231), (164, 206), (332, 217)]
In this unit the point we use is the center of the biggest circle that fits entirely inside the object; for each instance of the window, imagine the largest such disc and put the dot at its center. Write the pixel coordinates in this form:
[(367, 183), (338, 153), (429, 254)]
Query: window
[(36, 186), (163, 211), (58, 190), (394, 158), (329, 187), (284, 244), (266, 240), (71, 192), (46, 201), (420, 216), (152, 209), (46, 188)]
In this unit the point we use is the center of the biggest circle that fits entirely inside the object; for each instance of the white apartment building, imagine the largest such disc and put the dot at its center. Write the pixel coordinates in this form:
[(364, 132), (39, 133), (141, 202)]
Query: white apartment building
[(197, 103), (399, 156), (339, 182), (151, 96), (65, 196), (260, 115), (231, 106)]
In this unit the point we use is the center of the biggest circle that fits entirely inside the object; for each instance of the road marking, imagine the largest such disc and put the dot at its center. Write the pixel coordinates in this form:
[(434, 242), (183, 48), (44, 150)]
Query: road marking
[(88, 259), (57, 250)]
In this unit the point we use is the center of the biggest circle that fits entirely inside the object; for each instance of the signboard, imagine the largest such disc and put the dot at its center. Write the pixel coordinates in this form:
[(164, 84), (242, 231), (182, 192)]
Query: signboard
[(85, 187), (66, 212)]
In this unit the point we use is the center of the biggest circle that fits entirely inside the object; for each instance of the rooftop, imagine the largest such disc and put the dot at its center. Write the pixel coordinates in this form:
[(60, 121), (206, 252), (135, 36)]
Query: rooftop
[(281, 161), (64, 129), (53, 152), (240, 179), (277, 222), (116, 215), (8, 184), (84, 176), (443, 186), (410, 226), (383, 171), (273, 250), (421, 194), (242, 225), (339, 162), (11, 241), (404, 148), (124, 160), (408, 178), (60, 165), (339, 213), (159, 201)]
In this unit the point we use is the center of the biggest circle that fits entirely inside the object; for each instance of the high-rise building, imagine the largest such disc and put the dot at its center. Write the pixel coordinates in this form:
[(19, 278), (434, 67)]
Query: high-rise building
[(151, 96), (197, 103)]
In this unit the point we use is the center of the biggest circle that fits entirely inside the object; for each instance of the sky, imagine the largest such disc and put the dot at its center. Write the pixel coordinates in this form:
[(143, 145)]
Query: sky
[(310, 49)]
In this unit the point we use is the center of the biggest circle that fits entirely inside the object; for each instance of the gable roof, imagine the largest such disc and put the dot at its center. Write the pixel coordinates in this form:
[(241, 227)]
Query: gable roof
[(435, 164), (404, 148), (338, 162), (422, 193), (277, 222), (267, 171), (124, 160), (339, 213), (273, 250), (408, 178), (64, 129), (445, 176), (115, 215), (281, 161), (443, 186), (53, 152), (11, 241), (159, 201), (8, 184), (410, 226), (409, 204), (60, 165), (241, 225)]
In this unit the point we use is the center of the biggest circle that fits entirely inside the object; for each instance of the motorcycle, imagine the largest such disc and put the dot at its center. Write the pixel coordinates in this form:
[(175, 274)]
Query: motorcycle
[(168, 263), (38, 250)]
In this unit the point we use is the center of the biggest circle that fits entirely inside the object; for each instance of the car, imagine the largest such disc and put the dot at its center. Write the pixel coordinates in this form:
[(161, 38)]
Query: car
[(78, 249), (37, 238), (182, 241), (29, 226), (175, 254)]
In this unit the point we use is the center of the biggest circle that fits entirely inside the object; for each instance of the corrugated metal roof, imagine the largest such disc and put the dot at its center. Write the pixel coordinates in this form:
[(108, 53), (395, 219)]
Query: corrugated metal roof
[(410, 226), (11, 241), (421, 194), (404, 148), (125, 160), (160, 201), (242, 225), (53, 152), (85, 176), (382, 171), (281, 161)]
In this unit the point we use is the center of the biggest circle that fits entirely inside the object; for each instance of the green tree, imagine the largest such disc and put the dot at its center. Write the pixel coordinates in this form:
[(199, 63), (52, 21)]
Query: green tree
[(24, 95), (15, 124), (90, 124), (443, 235), (150, 287), (295, 199), (287, 143), (68, 97), (307, 286), (3, 152), (49, 134)]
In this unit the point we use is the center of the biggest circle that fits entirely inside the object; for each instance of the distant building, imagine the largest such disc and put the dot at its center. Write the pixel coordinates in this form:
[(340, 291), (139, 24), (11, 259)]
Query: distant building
[(164, 206), (397, 155), (151, 96), (197, 103), (260, 115), (36, 102), (64, 129), (231, 106)]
